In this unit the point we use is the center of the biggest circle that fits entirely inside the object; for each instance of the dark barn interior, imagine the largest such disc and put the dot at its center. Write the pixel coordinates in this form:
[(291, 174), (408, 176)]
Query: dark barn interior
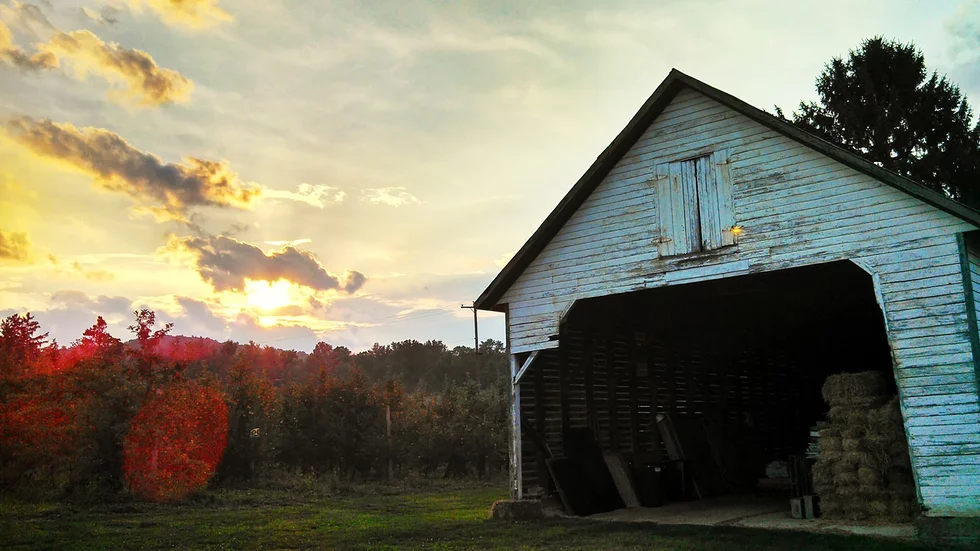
[(736, 364)]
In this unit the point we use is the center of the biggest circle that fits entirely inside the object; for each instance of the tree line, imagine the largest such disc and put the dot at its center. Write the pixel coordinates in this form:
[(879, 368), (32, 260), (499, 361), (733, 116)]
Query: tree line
[(161, 416)]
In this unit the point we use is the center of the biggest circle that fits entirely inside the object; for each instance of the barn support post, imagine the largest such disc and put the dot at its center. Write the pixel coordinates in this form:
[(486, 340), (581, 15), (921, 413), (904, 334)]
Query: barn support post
[(516, 482)]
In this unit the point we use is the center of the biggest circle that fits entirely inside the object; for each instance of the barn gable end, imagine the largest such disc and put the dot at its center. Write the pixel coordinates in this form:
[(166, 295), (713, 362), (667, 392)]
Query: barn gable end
[(796, 206)]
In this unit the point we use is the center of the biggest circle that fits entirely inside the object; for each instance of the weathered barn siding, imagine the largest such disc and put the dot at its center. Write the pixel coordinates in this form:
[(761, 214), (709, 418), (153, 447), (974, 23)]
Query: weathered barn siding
[(797, 207)]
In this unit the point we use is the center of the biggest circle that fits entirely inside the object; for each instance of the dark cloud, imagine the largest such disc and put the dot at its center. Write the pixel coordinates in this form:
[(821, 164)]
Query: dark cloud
[(14, 246), (118, 166), (225, 262)]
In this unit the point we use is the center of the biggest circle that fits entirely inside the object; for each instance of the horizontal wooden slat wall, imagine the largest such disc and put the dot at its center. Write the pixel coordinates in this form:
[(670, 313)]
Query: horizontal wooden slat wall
[(778, 389)]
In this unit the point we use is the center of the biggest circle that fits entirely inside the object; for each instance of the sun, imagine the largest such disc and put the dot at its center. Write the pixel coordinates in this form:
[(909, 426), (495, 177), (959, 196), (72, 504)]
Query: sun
[(267, 296)]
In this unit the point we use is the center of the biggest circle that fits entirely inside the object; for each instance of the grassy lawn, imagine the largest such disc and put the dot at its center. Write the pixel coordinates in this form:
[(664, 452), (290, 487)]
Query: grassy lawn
[(442, 518)]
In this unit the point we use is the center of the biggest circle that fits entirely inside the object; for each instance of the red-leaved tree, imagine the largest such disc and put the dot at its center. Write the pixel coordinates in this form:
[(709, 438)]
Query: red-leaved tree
[(175, 442)]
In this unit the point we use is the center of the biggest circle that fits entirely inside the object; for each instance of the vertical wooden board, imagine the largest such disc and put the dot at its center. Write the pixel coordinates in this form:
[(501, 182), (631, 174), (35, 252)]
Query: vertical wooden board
[(688, 205), (707, 201), (665, 209), (721, 163)]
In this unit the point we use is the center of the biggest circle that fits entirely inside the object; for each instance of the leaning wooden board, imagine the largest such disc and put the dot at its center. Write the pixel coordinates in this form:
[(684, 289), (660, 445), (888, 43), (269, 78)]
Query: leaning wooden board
[(621, 477)]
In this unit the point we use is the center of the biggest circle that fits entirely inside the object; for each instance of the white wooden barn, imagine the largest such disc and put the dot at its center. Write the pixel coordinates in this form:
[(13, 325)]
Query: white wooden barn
[(715, 255)]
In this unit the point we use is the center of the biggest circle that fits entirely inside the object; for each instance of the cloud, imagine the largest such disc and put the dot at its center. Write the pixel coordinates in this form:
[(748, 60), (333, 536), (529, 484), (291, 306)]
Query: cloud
[(144, 81), (14, 246), (26, 17), (108, 15), (193, 14), (101, 304), (317, 196), (147, 82), (117, 166), (201, 313), (10, 53), (391, 196), (92, 274), (292, 243), (225, 263)]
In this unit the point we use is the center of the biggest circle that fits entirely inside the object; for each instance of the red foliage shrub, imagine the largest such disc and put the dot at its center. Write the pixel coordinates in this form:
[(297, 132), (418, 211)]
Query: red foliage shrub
[(37, 428), (175, 442)]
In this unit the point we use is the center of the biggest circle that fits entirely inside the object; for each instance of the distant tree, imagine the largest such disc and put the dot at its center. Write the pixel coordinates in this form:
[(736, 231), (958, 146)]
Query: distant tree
[(151, 366), (883, 104), (21, 346), (98, 346)]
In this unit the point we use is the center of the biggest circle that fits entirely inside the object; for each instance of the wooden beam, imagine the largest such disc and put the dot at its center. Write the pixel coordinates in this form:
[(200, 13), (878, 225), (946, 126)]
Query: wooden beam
[(527, 363), (516, 478)]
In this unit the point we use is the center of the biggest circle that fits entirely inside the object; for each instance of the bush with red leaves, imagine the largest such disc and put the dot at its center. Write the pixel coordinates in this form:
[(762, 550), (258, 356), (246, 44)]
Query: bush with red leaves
[(175, 442)]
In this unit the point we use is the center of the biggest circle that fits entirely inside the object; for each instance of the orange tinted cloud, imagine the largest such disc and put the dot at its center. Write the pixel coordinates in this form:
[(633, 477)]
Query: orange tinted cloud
[(169, 188), (147, 82), (14, 246), (225, 263), (10, 53), (195, 14)]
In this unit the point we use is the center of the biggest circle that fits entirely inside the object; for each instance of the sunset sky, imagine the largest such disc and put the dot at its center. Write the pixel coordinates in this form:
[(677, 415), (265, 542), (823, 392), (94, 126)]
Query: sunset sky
[(353, 171)]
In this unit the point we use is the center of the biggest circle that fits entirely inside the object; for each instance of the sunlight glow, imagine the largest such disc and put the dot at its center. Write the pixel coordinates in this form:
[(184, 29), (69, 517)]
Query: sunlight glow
[(265, 296)]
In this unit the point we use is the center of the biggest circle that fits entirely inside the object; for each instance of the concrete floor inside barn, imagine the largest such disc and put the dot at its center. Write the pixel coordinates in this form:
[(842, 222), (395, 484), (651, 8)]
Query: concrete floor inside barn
[(751, 511)]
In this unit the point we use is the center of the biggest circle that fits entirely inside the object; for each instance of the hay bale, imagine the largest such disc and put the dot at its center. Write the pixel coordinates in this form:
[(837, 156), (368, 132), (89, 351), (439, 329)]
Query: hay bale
[(851, 444), (844, 466), (878, 507), (845, 481), (902, 510), (902, 491), (870, 477), (830, 444), (823, 475), (853, 432), (857, 458), (830, 432), (880, 442), (843, 416), (854, 389), (831, 507), (890, 414), (831, 457)]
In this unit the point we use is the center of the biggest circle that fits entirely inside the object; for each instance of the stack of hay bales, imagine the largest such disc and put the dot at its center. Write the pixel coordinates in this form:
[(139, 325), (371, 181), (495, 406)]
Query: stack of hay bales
[(863, 470)]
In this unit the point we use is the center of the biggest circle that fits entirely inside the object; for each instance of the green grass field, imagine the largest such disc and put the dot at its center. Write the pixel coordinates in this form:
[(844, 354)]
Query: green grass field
[(440, 518)]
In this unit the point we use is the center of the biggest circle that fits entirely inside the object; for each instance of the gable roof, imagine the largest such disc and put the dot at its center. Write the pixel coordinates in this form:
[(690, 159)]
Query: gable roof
[(643, 118)]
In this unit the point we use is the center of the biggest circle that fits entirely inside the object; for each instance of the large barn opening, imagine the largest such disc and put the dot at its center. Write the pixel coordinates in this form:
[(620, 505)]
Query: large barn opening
[(734, 366)]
